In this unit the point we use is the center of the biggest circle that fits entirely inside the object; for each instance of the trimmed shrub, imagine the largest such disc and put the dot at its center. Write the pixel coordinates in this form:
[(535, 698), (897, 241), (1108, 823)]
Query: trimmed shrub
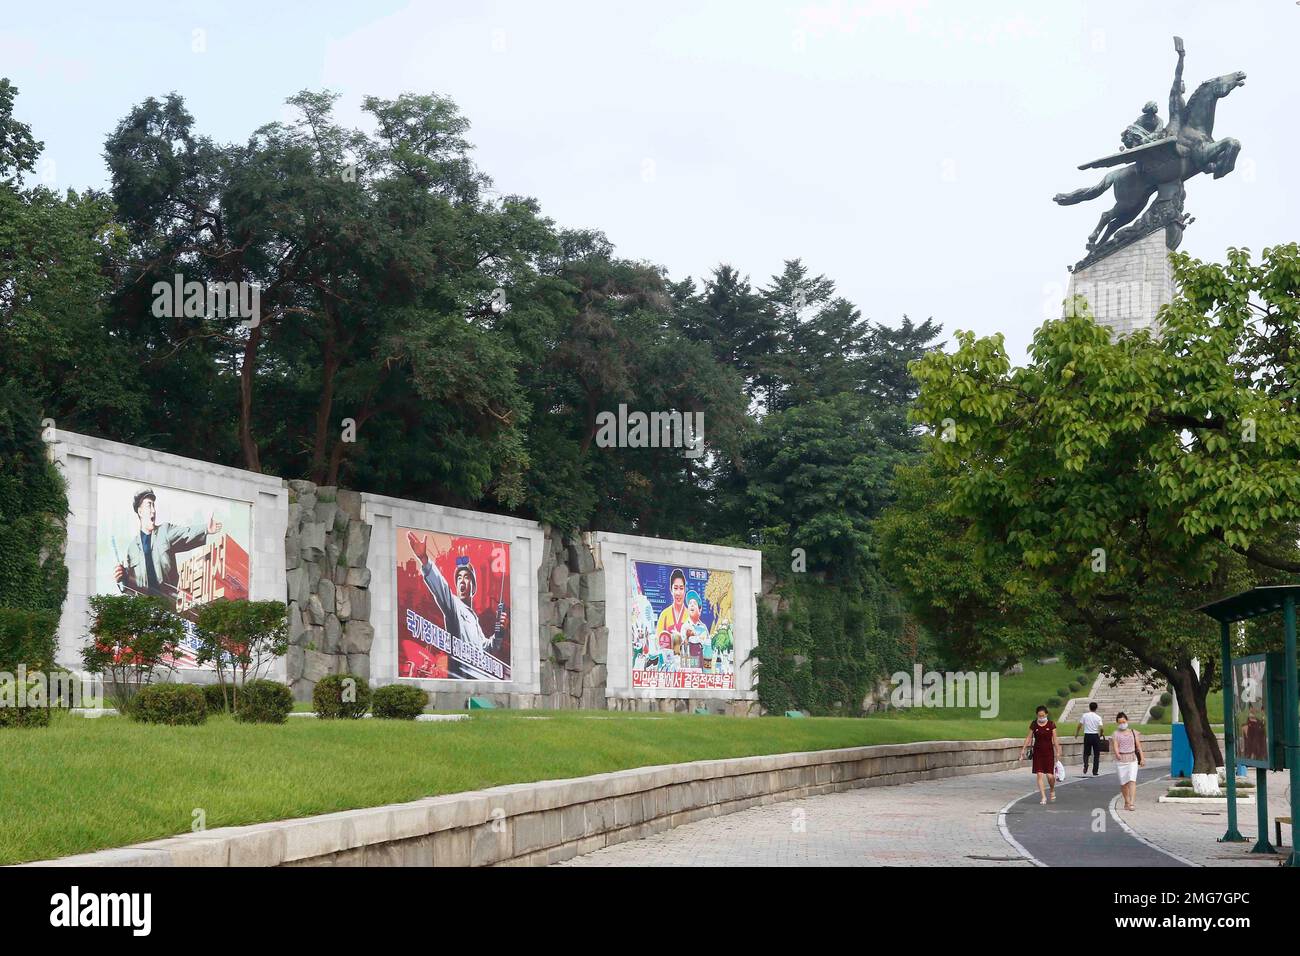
[(264, 702), (1083, 679), (132, 636), (1062, 692), (341, 696), (27, 638), (1074, 685), (1166, 699), (169, 704), (35, 714), (212, 696), (1053, 702), (1157, 712), (399, 702)]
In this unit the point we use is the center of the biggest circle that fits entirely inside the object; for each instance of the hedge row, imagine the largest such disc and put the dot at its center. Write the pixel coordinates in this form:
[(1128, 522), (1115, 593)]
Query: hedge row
[(258, 702)]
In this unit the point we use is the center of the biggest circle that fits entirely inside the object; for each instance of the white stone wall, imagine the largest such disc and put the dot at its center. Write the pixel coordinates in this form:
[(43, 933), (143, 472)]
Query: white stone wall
[(614, 551), (1126, 289), (386, 515), (82, 459)]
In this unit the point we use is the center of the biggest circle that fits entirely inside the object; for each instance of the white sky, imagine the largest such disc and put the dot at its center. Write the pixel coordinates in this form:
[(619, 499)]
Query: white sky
[(909, 150)]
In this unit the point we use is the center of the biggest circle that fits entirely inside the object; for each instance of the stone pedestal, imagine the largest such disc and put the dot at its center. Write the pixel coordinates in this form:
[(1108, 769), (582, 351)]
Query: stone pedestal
[(1126, 288)]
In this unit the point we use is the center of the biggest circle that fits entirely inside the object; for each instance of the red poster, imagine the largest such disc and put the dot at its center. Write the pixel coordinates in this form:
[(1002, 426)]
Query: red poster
[(453, 606)]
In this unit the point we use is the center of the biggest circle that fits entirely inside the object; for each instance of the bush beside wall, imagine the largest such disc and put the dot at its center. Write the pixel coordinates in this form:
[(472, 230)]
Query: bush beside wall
[(174, 704)]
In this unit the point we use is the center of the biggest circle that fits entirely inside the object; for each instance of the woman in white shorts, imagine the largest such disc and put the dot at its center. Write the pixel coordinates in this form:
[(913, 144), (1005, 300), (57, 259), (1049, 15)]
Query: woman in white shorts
[(1126, 745)]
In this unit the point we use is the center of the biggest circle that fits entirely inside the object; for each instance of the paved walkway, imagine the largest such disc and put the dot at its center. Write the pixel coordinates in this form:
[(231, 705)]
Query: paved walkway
[(1193, 830), (1080, 828), (983, 819), (951, 822)]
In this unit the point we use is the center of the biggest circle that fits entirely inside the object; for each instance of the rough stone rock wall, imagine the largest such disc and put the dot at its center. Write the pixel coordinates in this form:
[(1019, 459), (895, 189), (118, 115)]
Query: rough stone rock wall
[(574, 645), (326, 546)]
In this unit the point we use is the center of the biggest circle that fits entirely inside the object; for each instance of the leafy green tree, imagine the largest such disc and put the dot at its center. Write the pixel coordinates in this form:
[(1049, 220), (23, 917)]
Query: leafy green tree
[(1138, 479), (376, 257), (962, 588), (738, 325), (19, 150), (53, 286), (132, 638), (240, 638)]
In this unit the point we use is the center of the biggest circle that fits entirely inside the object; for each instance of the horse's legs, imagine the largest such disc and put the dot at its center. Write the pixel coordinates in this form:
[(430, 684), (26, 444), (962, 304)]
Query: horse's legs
[(1105, 219), (1223, 157), (1119, 217), (1084, 194)]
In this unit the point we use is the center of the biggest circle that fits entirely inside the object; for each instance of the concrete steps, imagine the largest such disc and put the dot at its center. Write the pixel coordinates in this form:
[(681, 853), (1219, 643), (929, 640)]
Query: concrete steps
[(1130, 695)]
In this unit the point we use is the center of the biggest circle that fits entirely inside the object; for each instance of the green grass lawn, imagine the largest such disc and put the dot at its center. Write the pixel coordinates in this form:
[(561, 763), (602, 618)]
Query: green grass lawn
[(84, 784), (1018, 696)]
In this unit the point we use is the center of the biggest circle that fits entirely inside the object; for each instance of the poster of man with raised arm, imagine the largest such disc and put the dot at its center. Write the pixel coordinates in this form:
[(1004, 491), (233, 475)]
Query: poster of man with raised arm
[(453, 606)]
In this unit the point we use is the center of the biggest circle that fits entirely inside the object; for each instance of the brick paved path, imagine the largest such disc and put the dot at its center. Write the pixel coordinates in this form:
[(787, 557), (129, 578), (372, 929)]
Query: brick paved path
[(1193, 830), (950, 822), (953, 822)]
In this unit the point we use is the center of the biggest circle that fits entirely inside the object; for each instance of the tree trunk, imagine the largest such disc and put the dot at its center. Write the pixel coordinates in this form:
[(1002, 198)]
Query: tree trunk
[(246, 375), (1191, 692), (324, 409)]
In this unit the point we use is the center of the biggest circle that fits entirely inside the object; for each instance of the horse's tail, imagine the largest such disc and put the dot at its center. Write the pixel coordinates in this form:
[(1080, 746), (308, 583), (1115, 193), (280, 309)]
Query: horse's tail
[(1083, 195)]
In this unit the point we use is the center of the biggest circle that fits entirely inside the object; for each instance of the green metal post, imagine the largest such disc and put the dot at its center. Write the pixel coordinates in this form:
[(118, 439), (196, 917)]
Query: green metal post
[(1261, 802), (1291, 723), (1233, 835)]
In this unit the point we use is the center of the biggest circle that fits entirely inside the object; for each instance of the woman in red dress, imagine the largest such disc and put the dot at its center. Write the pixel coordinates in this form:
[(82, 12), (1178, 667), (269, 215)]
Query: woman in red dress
[(1047, 750)]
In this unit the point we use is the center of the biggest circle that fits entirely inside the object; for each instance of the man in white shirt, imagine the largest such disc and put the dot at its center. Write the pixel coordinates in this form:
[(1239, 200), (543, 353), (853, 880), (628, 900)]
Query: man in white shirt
[(1091, 724)]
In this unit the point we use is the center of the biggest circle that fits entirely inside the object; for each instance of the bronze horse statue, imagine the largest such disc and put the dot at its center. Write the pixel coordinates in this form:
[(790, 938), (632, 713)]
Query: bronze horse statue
[(1183, 149)]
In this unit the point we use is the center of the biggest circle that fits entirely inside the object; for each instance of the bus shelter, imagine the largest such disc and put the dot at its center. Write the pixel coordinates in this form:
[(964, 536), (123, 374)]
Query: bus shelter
[(1273, 678)]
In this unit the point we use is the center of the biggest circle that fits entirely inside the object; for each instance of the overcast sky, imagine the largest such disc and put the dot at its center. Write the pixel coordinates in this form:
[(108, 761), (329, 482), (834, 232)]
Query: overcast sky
[(908, 150)]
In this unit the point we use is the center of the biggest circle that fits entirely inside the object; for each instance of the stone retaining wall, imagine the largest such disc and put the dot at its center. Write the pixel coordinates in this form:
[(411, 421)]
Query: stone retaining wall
[(574, 648), (540, 823), (326, 549)]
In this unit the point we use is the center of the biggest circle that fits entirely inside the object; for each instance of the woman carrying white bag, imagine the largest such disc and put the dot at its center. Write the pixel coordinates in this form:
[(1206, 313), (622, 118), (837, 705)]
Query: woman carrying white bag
[(1041, 741)]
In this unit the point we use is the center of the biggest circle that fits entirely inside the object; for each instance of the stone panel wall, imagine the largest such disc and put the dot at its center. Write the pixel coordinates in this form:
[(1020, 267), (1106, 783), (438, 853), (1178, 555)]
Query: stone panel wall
[(82, 460), (1126, 289), (615, 554), (312, 548)]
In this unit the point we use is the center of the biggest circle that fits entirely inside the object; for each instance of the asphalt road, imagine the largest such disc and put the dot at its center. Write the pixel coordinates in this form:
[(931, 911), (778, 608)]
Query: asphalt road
[(1079, 828)]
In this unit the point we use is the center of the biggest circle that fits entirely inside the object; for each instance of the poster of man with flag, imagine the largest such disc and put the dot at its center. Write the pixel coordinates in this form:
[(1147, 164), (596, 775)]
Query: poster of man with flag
[(453, 606)]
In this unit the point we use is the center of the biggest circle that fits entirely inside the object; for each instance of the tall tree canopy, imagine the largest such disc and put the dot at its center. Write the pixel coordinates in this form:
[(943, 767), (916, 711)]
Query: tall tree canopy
[(1126, 483), (420, 334)]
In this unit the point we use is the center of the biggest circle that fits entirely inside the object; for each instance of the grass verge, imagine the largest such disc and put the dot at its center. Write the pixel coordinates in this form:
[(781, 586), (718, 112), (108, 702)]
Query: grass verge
[(83, 784)]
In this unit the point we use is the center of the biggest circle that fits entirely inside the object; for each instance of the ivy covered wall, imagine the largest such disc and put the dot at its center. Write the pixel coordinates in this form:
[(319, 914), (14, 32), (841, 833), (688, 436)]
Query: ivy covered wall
[(33, 511), (825, 644)]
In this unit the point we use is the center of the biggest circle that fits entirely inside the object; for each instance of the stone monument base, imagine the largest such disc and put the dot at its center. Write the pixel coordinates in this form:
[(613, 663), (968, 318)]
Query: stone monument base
[(1125, 290)]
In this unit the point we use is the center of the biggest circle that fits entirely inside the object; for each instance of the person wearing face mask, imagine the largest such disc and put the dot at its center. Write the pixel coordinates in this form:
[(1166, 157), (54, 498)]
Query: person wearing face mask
[(1046, 751), (1126, 744)]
